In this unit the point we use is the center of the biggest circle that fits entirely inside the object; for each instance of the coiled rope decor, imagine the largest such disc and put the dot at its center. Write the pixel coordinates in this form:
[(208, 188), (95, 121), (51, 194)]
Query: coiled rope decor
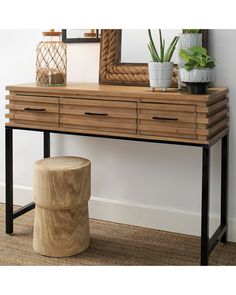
[(112, 71)]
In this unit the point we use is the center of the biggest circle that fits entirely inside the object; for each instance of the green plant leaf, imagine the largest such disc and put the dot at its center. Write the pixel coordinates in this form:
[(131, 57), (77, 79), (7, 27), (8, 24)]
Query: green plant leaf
[(210, 64), (163, 50), (196, 57), (191, 31), (171, 49), (152, 53), (152, 48), (188, 67), (162, 56), (184, 55), (198, 50), (161, 47)]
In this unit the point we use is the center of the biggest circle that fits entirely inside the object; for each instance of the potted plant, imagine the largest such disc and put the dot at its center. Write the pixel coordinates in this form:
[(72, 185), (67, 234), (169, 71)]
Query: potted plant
[(199, 69), (188, 39), (161, 68)]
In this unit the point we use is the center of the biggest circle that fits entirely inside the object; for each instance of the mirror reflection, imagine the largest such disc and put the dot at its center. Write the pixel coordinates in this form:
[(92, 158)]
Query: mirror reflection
[(134, 44), (75, 33)]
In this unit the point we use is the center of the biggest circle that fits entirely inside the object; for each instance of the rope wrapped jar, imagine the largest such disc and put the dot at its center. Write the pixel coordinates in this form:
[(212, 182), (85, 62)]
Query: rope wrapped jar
[(51, 63)]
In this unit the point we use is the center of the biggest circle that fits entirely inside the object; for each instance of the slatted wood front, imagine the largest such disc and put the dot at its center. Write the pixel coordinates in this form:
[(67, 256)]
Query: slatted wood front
[(213, 118), (170, 120), (135, 112), (33, 110), (99, 115)]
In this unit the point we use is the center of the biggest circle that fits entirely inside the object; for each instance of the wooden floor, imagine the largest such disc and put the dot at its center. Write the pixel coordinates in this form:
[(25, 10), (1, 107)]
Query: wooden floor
[(112, 244)]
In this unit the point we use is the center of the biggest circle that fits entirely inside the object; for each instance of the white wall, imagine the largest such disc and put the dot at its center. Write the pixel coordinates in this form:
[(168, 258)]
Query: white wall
[(223, 47), (146, 184)]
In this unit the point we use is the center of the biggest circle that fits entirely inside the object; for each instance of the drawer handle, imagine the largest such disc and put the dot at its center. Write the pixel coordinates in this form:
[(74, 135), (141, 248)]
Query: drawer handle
[(167, 119), (96, 114), (35, 110)]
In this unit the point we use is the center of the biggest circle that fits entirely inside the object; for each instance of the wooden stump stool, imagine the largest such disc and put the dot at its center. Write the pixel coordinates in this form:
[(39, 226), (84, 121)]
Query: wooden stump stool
[(61, 193)]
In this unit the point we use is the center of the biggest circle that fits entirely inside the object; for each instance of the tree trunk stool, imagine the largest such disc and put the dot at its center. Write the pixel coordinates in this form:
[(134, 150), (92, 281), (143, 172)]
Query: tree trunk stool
[(61, 192)]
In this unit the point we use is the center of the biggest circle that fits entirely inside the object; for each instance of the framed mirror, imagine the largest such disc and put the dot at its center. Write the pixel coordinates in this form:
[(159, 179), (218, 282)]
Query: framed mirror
[(124, 56), (80, 36)]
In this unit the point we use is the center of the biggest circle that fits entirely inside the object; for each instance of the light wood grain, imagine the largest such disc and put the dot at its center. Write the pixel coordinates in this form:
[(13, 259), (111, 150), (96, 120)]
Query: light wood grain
[(99, 115), (212, 109), (61, 233), (34, 109), (98, 103), (116, 134), (167, 115), (33, 98), (151, 134), (212, 119), (61, 191), (167, 107), (62, 182), (114, 91), (122, 111), (167, 119)]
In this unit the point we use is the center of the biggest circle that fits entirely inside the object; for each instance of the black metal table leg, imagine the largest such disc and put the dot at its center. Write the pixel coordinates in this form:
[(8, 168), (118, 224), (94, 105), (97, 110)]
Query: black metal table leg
[(9, 179), (205, 205), (46, 144), (224, 185), (207, 245), (10, 214)]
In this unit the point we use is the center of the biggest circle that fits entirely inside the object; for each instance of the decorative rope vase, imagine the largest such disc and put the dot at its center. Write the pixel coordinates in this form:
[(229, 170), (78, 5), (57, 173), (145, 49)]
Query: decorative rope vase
[(51, 63)]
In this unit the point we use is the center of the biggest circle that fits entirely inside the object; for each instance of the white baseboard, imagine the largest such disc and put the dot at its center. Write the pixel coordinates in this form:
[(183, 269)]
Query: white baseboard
[(136, 214)]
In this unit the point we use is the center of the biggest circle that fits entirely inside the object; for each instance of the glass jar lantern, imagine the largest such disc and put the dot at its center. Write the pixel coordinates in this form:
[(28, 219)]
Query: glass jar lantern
[(51, 63)]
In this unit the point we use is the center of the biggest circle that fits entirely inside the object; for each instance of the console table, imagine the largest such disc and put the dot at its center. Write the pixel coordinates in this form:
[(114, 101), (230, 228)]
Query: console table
[(127, 113)]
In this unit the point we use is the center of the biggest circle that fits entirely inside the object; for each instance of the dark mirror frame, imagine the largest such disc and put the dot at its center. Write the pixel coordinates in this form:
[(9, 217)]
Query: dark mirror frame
[(79, 40), (113, 71)]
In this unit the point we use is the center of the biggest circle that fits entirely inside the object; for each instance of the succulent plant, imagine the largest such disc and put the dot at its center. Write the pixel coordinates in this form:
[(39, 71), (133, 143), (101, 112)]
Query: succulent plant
[(163, 55)]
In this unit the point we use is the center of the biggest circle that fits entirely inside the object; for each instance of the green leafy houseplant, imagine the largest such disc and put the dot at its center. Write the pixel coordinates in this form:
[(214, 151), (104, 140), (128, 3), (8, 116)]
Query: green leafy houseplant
[(163, 55), (197, 57), (198, 70)]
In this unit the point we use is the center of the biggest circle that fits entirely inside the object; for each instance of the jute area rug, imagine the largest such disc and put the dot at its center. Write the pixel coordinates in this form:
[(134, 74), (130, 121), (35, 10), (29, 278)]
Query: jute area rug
[(112, 244)]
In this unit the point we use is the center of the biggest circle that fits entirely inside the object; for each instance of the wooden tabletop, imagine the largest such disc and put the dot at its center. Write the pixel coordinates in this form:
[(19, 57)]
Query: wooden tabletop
[(125, 91)]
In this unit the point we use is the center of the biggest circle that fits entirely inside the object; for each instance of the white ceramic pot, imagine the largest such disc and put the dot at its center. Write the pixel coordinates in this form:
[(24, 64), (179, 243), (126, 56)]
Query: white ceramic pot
[(160, 74), (185, 42), (197, 80), (197, 75)]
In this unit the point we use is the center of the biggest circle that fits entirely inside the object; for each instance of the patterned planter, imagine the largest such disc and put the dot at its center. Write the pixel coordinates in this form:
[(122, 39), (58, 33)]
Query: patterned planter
[(160, 74), (187, 41), (197, 79)]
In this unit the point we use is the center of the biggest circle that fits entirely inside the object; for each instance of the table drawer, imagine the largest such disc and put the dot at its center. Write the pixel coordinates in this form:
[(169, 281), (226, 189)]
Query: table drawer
[(167, 120), (98, 115), (34, 110)]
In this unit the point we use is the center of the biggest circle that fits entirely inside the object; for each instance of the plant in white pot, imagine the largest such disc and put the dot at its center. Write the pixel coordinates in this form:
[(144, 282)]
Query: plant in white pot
[(199, 69), (187, 39), (160, 69)]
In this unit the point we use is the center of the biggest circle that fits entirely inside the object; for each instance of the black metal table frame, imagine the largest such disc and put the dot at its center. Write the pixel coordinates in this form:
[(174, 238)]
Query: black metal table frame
[(207, 244)]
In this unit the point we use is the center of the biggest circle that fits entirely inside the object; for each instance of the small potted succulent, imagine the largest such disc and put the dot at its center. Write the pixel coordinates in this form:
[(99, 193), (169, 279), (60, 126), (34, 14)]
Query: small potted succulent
[(199, 69), (161, 68)]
